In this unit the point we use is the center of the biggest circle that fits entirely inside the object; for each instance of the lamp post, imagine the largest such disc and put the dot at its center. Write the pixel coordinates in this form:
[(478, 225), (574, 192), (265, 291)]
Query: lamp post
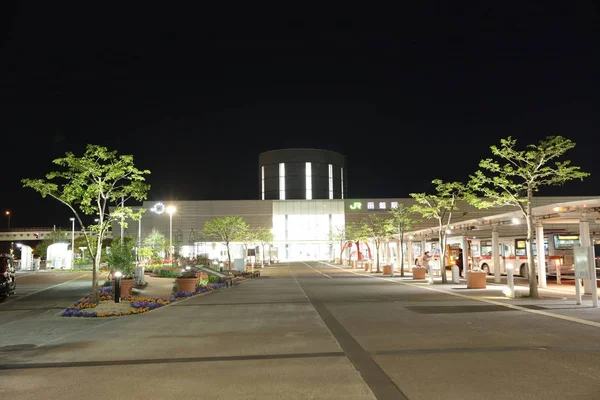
[(72, 242), (171, 210), (8, 215), (122, 229)]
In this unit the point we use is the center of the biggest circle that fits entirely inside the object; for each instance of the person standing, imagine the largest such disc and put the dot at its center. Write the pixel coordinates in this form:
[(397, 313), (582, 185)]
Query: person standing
[(459, 262), (426, 258)]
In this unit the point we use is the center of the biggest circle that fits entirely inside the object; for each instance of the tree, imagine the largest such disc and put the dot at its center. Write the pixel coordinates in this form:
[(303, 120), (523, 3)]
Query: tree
[(356, 232), (121, 255), (226, 229), (155, 241), (401, 222), (88, 185), (264, 237), (378, 230), (339, 235), (513, 178), (440, 207)]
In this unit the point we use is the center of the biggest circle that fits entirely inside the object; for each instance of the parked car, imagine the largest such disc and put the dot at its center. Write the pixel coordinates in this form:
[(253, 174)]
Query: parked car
[(8, 284)]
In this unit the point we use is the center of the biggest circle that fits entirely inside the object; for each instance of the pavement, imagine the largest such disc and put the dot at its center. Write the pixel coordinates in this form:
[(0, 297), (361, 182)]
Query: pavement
[(157, 288), (163, 287)]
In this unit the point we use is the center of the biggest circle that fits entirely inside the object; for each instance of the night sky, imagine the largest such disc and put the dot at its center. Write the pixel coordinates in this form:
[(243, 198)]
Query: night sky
[(195, 94)]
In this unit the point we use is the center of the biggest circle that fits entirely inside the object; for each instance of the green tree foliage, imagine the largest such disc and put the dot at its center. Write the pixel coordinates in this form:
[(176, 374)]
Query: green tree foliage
[(121, 256), (514, 175), (357, 231), (378, 230), (440, 206), (264, 237), (402, 221), (338, 235), (89, 185), (226, 230), (157, 242)]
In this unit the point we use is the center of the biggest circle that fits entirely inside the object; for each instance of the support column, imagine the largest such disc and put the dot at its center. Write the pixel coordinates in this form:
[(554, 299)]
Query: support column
[(541, 254), (409, 253), (465, 250), (495, 254), (399, 256), (585, 241)]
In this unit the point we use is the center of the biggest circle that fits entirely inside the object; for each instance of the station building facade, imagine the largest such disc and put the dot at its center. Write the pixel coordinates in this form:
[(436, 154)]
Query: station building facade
[(303, 203), (304, 229)]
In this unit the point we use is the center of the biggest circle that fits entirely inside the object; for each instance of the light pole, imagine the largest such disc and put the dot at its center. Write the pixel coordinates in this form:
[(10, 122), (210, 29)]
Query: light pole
[(72, 242), (139, 241), (171, 210), (122, 229), (8, 215)]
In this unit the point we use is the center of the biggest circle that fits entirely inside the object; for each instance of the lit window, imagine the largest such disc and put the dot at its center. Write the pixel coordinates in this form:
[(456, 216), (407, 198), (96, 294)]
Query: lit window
[(382, 205), (370, 205), (308, 175), (330, 181), (394, 204), (262, 170), (281, 181)]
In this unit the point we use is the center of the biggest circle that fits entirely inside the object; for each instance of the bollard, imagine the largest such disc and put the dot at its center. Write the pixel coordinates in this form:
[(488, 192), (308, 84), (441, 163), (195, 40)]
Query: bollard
[(117, 287), (455, 274), (510, 281)]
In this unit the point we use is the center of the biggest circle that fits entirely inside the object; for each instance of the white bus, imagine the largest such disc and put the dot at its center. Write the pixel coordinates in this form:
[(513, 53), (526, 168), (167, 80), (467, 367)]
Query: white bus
[(513, 253)]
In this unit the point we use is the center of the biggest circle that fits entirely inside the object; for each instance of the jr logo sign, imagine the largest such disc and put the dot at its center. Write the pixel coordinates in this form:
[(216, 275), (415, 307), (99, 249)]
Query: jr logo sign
[(357, 205)]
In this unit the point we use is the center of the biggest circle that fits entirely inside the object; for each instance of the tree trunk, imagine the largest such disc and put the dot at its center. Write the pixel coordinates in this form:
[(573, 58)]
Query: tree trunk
[(228, 256), (442, 238), (401, 258), (95, 264), (533, 289)]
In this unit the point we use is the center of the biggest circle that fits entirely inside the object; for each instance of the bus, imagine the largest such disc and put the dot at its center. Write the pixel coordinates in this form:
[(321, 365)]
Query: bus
[(558, 249)]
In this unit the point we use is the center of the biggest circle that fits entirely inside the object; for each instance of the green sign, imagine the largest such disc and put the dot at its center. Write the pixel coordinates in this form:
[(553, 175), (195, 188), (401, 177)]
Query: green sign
[(357, 205)]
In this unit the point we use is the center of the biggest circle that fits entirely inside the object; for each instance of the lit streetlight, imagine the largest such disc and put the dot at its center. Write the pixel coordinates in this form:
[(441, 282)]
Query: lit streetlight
[(171, 210), (8, 215)]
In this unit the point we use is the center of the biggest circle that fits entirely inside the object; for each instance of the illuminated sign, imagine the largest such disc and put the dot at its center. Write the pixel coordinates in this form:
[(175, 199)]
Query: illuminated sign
[(357, 205), (372, 205), (158, 208), (568, 237)]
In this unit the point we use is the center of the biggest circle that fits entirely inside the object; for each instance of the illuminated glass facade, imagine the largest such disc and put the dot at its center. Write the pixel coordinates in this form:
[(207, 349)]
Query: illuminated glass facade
[(302, 229), (301, 174)]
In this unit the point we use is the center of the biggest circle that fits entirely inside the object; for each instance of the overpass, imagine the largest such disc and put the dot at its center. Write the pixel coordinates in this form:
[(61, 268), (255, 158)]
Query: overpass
[(37, 233)]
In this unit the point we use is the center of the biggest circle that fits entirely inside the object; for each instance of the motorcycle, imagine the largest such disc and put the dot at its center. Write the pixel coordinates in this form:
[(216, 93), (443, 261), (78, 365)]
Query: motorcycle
[(8, 284)]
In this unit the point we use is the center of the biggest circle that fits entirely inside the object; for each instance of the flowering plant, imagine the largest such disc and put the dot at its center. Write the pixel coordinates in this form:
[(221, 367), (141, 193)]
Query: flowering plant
[(188, 274)]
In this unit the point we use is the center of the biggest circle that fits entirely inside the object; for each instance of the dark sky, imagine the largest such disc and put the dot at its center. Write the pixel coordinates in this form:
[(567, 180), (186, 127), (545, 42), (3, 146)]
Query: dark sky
[(195, 94)]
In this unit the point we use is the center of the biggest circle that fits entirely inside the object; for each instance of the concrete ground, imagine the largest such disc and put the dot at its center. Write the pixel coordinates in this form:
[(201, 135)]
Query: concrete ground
[(319, 331)]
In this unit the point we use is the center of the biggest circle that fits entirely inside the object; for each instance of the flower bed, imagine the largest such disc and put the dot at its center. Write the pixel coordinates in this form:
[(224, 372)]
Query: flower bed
[(199, 289), (84, 307)]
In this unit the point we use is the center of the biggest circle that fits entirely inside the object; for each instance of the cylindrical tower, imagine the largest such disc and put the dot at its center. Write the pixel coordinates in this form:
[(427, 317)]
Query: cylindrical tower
[(301, 174)]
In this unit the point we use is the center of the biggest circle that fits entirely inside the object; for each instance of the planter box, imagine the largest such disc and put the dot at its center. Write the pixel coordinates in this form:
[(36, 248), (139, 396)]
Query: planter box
[(419, 273), (387, 269), (126, 287), (476, 280), (186, 284)]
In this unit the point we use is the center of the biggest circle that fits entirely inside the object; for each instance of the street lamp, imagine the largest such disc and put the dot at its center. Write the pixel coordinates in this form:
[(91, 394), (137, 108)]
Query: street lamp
[(8, 215), (171, 210), (72, 242)]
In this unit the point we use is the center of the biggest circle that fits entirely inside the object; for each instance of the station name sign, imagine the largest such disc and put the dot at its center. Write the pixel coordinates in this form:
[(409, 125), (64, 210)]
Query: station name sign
[(360, 205)]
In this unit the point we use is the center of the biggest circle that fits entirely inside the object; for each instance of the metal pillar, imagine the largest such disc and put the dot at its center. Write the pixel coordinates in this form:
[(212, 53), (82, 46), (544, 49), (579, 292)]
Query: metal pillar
[(585, 241), (495, 254), (541, 254)]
